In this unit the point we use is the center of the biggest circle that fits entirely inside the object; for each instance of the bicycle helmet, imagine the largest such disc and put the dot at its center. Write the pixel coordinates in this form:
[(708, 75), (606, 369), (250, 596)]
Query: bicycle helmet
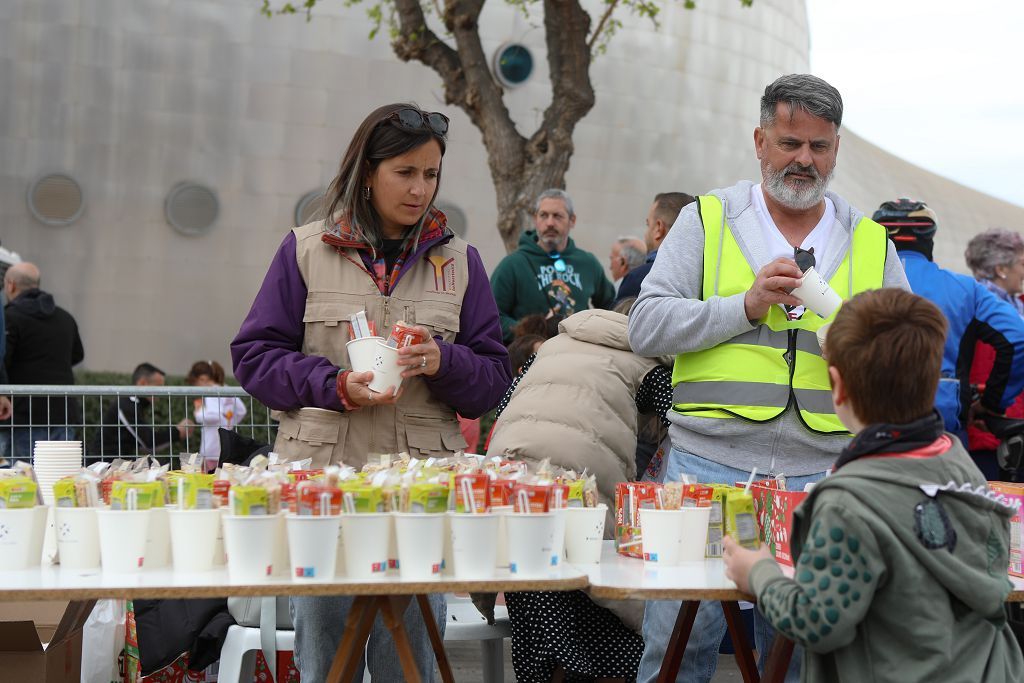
[(910, 223)]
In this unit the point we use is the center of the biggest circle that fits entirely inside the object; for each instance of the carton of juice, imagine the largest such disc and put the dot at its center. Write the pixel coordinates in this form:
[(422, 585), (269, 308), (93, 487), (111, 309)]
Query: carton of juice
[(630, 498), (17, 492), (741, 519)]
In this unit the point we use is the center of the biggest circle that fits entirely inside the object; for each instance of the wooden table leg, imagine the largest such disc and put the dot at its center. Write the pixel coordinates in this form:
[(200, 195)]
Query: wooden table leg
[(738, 631), (778, 659), (353, 640), (435, 639), (677, 642), (392, 608)]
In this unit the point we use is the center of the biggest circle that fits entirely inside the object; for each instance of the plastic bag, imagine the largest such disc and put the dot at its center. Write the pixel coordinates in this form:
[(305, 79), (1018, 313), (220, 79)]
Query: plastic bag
[(103, 642)]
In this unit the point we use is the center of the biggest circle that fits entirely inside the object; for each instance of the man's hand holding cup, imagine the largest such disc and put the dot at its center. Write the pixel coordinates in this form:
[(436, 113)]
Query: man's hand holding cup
[(772, 286)]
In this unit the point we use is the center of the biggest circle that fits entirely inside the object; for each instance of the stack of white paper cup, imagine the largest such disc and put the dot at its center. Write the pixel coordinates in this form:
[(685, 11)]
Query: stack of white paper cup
[(532, 548), (54, 460), (420, 538), (194, 538), (251, 544), (78, 538), (312, 546), (584, 531), (361, 353), (21, 537), (123, 535), (366, 539)]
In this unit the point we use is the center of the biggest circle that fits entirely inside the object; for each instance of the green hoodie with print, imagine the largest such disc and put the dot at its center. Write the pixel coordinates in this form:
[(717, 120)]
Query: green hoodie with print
[(528, 281), (901, 574)]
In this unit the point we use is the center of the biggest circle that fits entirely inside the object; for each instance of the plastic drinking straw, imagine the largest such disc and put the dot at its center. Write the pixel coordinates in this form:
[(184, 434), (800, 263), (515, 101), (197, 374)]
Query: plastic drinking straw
[(467, 495), (660, 495), (524, 502), (558, 497), (325, 504), (753, 473), (350, 502), (132, 499), (231, 501), (181, 493)]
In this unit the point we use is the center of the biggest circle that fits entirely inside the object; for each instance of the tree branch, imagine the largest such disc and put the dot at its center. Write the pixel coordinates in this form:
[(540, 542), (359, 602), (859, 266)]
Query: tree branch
[(600, 24)]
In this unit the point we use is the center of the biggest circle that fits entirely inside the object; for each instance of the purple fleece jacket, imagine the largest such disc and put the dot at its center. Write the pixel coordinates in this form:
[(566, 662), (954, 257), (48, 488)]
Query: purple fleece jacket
[(268, 363)]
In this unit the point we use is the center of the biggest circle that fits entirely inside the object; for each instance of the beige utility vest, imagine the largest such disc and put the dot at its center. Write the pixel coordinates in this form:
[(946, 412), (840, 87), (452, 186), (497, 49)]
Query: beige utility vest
[(577, 403), (430, 293)]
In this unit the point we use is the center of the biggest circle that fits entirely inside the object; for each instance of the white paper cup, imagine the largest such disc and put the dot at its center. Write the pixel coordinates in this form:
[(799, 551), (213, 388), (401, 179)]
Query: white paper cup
[(532, 550), (281, 551), (474, 545), (78, 538), (420, 539), (821, 333), (194, 538), (361, 353), (447, 561), (158, 540), (558, 547), (312, 546), (694, 532), (584, 531), (220, 556), (250, 544), (366, 538), (662, 535), (386, 370), (392, 547), (21, 537), (817, 295), (123, 535), (339, 553), (502, 558)]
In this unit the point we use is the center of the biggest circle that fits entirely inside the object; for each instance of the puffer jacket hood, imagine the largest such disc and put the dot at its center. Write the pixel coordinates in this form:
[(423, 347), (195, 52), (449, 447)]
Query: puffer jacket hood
[(35, 303), (596, 326)]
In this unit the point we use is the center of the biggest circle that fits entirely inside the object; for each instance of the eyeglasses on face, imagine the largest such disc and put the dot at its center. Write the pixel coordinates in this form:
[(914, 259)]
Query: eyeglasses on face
[(416, 120)]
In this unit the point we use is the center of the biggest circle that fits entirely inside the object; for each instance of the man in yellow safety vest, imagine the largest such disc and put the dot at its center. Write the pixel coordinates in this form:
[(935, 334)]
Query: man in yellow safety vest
[(750, 388)]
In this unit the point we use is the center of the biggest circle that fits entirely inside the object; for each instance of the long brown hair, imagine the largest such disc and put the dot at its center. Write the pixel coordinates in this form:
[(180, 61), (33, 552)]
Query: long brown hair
[(374, 141), (210, 368)]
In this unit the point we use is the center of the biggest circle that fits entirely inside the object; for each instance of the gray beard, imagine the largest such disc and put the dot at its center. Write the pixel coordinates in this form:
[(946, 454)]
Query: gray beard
[(798, 200)]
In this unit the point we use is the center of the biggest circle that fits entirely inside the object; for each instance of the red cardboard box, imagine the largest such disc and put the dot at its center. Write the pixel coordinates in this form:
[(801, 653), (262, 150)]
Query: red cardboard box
[(774, 508), (24, 656)]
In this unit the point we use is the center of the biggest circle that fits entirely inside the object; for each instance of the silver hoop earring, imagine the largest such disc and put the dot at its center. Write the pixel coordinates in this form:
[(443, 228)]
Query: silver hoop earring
[(366, 193)]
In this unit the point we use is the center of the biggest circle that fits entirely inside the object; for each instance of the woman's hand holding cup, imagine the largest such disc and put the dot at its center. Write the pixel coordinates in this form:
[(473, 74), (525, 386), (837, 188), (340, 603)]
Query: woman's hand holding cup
[(357, 387), (420, 359)]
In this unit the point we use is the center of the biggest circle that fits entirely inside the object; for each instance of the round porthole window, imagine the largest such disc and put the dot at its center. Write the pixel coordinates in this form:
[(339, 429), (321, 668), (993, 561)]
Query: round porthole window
[(308, 208), (456, 217), (56, 199), (513, 64), (191, 209)]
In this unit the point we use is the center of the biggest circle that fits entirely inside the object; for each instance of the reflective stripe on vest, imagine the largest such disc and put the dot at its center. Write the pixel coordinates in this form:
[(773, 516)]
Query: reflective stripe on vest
[(756, 375)]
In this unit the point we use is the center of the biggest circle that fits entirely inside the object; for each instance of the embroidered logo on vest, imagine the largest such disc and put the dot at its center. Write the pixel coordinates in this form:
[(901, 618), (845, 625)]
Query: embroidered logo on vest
[(444, 274)]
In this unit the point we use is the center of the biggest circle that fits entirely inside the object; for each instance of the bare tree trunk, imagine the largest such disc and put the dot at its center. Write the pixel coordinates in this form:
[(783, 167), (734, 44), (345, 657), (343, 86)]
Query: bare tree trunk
[(520, 168)]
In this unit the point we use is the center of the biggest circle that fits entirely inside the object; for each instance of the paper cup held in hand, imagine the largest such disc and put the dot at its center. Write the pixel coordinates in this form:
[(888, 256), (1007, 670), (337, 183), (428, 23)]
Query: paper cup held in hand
[(386, 370), (78, 538), (194, 536), (817, 295), (123, 535), (420, 540), (474, 545), (361, 353), (532, 549), (366, 538), (250, 544), (21, 537), (584, 531), (312, 546)]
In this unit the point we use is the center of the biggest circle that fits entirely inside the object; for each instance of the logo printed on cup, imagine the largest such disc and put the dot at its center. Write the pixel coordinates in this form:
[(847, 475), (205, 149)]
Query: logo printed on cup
[(554, 560), (305, 572), (392, 564), (141, 559), (651, 557), (512, 568), (436, 568), (379, 567)]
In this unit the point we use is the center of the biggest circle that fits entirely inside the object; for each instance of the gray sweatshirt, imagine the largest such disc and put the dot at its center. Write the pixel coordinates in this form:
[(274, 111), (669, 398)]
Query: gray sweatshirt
[(669, 318)]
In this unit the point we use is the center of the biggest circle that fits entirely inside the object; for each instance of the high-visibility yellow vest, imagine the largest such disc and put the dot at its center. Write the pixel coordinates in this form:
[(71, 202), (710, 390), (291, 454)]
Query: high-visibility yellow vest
[(757, 375)]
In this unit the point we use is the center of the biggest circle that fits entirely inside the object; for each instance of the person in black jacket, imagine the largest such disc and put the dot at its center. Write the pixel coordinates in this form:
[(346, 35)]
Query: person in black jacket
[(127, 427), (42, 345), (660, 218)]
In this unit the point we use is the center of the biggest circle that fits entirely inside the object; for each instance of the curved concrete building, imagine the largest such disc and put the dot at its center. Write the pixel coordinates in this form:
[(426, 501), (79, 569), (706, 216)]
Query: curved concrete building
[(207, 111)]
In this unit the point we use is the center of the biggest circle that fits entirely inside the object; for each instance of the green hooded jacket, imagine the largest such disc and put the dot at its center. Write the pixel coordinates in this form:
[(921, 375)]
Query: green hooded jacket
[(527, 282), (900, 575)]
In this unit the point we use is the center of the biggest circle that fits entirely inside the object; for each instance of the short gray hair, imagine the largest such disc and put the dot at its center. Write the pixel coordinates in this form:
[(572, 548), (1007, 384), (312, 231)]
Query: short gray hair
[(802, 91), (554, 193), (994, 247), (631, 255)]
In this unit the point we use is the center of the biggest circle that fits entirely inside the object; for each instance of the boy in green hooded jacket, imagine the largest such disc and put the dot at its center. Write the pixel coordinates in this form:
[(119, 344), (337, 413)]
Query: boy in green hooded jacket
[(901, 555)]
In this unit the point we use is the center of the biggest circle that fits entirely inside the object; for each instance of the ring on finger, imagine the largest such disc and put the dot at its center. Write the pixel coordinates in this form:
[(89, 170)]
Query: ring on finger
[(423, 361)]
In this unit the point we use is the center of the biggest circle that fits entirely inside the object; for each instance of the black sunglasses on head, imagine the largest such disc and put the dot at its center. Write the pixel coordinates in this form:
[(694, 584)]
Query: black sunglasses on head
[(804, 258), (416, 121)]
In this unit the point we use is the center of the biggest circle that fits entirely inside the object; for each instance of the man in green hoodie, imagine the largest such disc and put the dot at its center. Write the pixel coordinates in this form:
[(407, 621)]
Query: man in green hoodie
[(548, 275), (901, 555)]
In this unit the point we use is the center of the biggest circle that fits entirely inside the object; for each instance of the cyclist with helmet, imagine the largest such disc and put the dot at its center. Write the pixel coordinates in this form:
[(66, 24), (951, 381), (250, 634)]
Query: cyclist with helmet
[(974, 314)]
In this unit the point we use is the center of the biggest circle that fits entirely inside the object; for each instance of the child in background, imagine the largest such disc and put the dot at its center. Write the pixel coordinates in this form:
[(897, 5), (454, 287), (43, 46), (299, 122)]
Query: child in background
[(901, 555), (213, 411)]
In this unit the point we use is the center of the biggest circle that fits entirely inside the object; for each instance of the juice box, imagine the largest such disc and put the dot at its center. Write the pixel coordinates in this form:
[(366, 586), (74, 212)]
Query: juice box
[(741, 519), (149, 494), (250, 500), (64, 493), (630, 498), (17, 492), (310, 497), (478, 484), (535, 495), (429, 498), (501, 492)]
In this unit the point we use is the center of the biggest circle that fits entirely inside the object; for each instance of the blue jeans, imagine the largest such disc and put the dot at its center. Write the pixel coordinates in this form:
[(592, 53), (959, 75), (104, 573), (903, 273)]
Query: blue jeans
[(700, 658), (320, 622), (17, 443)]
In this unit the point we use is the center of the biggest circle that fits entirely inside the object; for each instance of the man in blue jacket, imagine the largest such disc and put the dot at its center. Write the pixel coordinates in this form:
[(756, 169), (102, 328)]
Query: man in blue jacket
[(974, 315)]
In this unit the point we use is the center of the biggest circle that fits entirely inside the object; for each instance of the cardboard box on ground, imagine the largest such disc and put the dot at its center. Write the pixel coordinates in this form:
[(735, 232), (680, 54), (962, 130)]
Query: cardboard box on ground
[(42, 641)]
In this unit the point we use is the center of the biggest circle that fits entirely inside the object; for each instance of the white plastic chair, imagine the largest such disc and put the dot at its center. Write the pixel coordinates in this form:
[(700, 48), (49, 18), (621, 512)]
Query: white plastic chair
[(238, 654), (465, 622)]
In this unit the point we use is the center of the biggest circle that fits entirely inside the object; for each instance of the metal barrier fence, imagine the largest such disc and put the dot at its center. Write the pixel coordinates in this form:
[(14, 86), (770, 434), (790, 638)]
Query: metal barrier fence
[(128, 421)]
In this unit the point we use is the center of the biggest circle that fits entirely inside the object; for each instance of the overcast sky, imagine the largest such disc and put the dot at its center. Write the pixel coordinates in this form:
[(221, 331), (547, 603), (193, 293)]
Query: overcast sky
[(937, 83)]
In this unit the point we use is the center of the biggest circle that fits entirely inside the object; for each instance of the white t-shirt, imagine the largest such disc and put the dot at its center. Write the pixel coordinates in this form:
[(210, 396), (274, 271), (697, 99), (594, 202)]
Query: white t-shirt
[(777, 246)]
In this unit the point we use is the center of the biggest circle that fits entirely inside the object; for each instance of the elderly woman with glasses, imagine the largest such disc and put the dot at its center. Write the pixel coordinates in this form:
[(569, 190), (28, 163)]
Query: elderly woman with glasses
[(383, 248), (996, 258)]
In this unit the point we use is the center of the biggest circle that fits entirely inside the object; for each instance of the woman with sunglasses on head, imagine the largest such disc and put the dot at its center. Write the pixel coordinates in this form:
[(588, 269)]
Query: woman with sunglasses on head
[(384, 248)]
